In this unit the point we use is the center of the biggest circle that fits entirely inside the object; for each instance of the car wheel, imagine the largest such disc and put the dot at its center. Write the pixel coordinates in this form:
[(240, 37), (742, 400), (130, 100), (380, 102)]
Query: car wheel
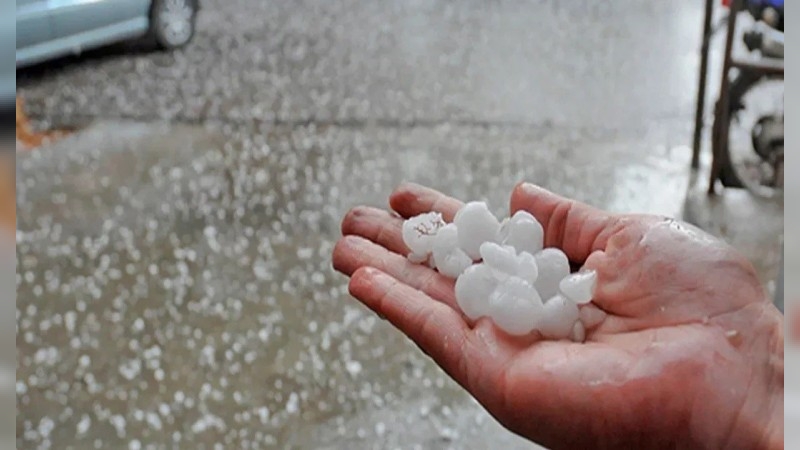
[(172, 22)]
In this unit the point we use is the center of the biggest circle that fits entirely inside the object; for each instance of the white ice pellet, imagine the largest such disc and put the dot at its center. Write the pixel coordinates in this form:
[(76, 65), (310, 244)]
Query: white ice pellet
[(523, 232), (553, 266), (591, 316), (558, 317), (514, 274), (527, 269), (473, 289), (515, 306), (498, 257), (83, 424), (446, 240), (449, 259), (419, 232), (476, 225), (417, 258), (579, 286), (578, 332), (453, 264)]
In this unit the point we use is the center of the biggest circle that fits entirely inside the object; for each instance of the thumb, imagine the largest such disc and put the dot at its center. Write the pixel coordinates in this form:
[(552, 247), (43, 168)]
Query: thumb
[(576, 228)]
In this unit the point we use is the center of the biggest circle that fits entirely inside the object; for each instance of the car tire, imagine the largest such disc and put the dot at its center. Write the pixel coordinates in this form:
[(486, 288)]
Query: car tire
[(172, 22)]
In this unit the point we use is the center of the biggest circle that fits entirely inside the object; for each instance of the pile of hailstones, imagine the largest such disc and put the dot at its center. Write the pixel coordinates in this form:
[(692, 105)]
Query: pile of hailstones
[(502, 270)]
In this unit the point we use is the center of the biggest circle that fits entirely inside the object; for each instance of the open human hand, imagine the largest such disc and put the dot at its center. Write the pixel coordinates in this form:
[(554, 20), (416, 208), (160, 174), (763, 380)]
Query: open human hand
[(684, 349)]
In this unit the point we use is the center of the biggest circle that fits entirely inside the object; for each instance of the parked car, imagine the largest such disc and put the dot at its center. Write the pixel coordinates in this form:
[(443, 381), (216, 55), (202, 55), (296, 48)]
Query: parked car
[(48, 29)]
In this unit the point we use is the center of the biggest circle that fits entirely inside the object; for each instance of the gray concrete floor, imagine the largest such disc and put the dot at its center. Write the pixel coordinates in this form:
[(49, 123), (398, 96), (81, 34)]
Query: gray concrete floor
[(174, 285)]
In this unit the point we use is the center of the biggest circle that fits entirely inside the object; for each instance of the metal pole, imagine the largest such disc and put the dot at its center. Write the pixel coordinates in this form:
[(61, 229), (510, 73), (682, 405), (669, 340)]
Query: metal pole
[(719, 139), (701, 84), (765, 66)]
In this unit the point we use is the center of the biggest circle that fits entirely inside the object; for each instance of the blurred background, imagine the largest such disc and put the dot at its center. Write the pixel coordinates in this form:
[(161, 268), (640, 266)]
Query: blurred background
[(182, 167)]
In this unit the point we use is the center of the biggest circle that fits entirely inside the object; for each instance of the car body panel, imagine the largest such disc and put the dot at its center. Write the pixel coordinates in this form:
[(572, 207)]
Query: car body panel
[(77, 43), (33, 23), (73, 17), (52, 28)]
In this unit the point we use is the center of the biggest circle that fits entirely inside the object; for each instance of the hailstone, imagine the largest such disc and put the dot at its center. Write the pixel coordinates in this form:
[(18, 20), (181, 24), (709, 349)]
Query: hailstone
[(515, 306), (476, 225), (514, 275), (450, 260), (500, 257), (523, 232), (473, 289), (558, 317), (419, 233), (446, 240), (553, 267), (527, 269), (579, 286), (578, 332)]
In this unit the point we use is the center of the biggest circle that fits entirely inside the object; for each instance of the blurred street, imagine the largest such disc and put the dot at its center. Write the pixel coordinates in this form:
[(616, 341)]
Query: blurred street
[(174, 283)]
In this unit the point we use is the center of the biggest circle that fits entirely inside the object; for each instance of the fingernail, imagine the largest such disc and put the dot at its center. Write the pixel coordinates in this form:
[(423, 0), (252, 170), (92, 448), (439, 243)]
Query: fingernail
[(351, 217), (378, 277), (375, 276), (353, 240), (371, 271), (357, 211)]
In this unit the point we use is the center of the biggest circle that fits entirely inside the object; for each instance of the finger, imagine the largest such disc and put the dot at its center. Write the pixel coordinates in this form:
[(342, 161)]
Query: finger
[(438, 330), (411, 199), (591, 316), (599, 314), (354, 252), (377, 225), (574, 227), (607, 279)]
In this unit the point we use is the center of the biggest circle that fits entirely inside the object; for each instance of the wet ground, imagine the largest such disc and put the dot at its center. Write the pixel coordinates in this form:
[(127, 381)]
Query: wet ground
[(587, 64), (173, 282)]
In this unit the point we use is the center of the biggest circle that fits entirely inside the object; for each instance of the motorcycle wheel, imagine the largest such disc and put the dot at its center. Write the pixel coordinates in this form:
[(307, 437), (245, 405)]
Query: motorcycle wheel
[(738, 150)]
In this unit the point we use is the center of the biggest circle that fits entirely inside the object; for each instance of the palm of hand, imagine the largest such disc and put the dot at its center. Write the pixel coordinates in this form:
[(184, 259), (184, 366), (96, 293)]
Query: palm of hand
[(651, 370)]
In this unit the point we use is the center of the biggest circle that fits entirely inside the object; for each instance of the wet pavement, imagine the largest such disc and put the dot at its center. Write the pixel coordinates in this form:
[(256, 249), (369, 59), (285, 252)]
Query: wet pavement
[(606, 65), (174, 285)]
